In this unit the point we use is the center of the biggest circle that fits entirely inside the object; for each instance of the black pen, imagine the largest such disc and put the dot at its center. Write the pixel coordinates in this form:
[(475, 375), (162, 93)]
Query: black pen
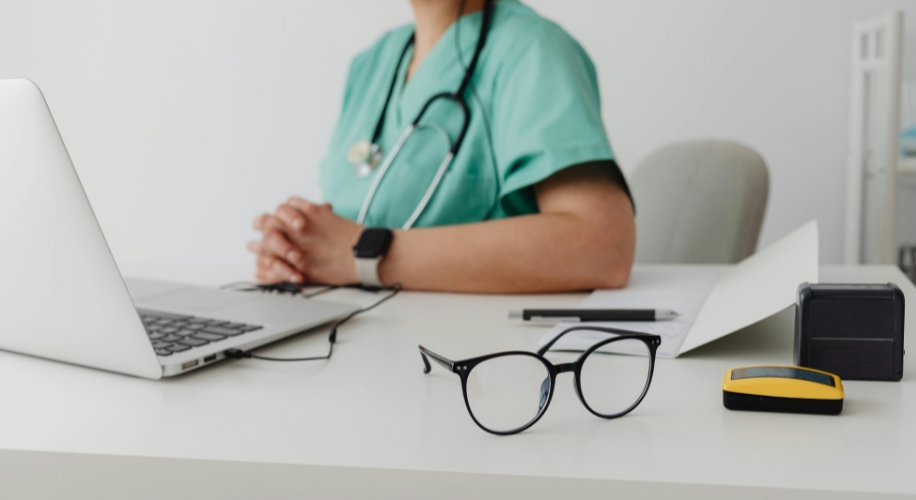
[(583, 315)]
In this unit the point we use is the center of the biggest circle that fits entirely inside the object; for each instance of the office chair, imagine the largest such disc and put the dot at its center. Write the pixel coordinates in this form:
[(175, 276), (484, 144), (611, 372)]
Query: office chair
[(699, 202)]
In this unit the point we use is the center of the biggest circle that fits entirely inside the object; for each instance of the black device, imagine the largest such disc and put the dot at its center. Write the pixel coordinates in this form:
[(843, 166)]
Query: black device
[(372, 246), (854, 331), (373, 243)]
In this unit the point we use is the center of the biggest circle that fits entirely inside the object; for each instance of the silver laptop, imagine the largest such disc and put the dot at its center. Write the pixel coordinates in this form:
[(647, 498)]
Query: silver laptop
[(61, 294)]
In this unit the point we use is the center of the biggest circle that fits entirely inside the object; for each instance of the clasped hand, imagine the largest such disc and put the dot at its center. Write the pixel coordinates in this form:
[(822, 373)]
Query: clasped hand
[(304, 242)]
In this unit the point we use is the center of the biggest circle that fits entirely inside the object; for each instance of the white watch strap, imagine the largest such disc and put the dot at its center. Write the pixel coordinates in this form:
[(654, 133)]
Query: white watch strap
[(367, 271)]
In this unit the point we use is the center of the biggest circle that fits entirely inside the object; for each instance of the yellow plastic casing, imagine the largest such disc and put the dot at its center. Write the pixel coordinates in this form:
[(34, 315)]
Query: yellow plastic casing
[(780, 387)]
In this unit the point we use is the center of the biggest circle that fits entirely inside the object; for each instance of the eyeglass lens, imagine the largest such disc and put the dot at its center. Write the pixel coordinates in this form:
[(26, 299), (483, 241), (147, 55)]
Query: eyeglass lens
[(614, 376), (507, 392)]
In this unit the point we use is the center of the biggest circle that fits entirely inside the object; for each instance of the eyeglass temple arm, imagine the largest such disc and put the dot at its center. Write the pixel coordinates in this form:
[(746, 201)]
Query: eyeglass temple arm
[(445, 362), (553, 341)]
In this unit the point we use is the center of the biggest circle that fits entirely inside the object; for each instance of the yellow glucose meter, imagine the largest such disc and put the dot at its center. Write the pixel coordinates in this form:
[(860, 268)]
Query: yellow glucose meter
[(785, 389)]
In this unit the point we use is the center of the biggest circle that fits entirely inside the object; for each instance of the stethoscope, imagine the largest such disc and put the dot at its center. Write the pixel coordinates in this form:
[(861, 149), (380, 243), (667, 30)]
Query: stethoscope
[(365, 155)]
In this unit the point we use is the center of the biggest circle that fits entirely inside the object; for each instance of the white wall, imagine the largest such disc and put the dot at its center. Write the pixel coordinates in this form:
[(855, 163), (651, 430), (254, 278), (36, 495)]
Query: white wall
[(185, 119)]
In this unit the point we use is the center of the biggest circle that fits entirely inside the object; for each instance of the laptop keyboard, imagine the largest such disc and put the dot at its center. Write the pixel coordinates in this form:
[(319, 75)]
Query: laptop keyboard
[(171, 333)]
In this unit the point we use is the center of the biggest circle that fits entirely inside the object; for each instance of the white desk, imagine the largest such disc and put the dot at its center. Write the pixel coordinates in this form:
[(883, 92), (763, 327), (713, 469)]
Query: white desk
[(370, 424)]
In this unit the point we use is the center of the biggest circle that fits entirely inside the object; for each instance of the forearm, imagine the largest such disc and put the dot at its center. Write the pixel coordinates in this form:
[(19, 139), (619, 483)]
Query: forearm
[(583, 238), (533, 253)]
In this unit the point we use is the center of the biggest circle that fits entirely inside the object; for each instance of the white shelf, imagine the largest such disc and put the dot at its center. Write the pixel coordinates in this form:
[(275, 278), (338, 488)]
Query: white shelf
[(907, 166)]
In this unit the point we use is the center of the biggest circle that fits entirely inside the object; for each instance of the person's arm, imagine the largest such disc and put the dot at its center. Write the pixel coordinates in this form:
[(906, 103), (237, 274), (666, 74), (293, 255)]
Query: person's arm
[(583, 238)]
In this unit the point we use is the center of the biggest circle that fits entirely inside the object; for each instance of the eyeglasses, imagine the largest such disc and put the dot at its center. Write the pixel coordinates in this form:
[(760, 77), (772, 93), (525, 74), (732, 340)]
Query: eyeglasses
[(508, 392)]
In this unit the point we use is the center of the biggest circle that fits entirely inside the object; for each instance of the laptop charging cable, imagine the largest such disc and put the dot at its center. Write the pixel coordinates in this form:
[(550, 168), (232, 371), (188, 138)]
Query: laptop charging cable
[(294, 289)]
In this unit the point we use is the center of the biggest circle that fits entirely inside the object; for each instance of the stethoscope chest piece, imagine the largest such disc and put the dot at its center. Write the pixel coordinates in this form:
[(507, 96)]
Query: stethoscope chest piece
[(364, 156)]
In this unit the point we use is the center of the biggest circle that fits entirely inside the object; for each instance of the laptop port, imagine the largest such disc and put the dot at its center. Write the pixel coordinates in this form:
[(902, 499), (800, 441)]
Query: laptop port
[(210, 358), (190, 364)]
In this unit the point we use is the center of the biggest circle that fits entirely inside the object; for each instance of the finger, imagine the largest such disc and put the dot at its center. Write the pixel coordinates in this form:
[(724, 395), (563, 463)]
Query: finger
[(265, 262), (277, 270), (259, 248), (277, 244), (303, 206), (267, 222), (265, 271), (258, 222), (281, 268), (291, 217), (266, 277)]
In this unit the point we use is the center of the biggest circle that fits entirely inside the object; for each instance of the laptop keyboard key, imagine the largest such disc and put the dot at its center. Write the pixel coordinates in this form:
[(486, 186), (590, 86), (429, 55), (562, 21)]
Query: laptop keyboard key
[(193, 342), (210, 337), (170, 333), (222, 331), (229, 332)]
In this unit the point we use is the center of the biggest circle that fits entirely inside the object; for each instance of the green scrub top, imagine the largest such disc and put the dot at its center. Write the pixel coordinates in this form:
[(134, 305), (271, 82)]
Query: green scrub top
[(534, 110)]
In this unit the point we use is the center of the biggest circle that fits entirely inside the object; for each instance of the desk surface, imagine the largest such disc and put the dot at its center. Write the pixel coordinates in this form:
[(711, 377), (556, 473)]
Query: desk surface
[(372, 406)]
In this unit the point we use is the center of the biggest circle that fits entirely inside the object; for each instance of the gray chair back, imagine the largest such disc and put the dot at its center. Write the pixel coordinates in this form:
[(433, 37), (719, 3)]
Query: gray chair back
[(699, 202)]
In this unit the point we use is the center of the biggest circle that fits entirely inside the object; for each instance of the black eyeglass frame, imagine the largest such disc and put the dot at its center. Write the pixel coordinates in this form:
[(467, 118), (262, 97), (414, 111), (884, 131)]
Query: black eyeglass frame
[(464, 367)]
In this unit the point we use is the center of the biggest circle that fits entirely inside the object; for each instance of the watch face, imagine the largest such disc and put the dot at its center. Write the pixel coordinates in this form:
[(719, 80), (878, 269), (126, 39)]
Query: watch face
[(374, 242)]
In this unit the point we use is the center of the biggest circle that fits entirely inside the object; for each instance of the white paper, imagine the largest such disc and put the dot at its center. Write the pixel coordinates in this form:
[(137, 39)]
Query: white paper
[(713, 301), (680, 289), (757, 288)]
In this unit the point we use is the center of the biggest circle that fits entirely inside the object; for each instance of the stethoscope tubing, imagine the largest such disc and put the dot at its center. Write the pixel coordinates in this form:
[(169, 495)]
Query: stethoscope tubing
[(440, 172), (466, 115), (430, 190), (416, 124)]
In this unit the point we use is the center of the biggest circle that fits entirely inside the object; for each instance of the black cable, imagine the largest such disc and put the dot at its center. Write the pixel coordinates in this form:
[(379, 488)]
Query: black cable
[(330, 288), (481, 41), (288, 287), (381, 120), (332, 336)]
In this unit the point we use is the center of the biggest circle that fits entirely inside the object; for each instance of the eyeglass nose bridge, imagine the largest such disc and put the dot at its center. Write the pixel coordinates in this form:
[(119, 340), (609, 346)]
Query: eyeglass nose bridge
[(565, 367)]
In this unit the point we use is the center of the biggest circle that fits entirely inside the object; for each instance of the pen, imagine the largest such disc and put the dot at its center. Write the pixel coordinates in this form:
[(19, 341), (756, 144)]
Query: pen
[(583, 315)]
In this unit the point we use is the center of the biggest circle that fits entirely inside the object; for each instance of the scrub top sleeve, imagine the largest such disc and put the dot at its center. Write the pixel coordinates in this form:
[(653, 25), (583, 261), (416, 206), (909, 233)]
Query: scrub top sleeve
[(546, 116)]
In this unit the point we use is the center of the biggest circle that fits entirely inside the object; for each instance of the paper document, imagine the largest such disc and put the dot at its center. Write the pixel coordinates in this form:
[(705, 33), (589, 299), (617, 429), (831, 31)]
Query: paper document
[(713, 301), (651, 287)]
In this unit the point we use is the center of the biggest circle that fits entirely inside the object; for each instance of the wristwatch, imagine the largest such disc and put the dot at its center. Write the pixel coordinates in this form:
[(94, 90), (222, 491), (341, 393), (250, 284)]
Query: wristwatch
[(369, 250)]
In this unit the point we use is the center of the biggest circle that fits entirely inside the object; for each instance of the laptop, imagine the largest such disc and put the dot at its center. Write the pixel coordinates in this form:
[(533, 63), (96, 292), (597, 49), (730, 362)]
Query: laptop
[(62, 296)]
